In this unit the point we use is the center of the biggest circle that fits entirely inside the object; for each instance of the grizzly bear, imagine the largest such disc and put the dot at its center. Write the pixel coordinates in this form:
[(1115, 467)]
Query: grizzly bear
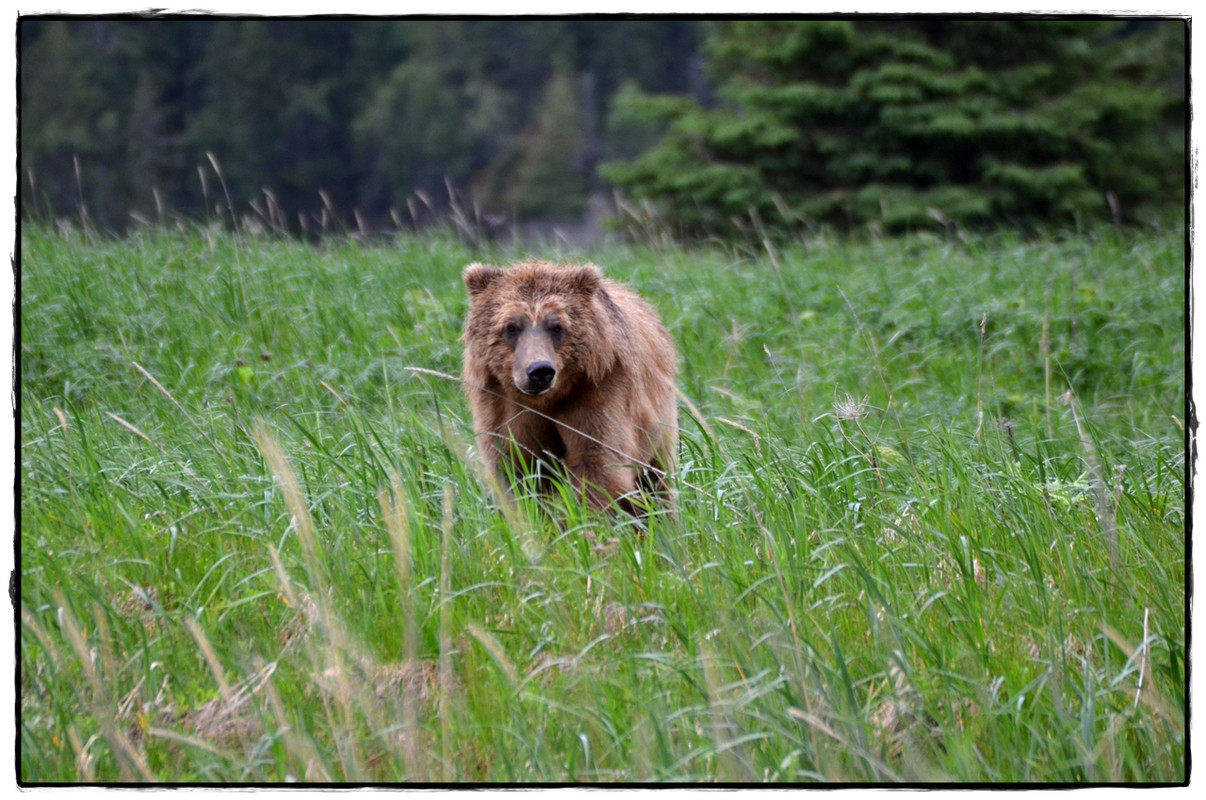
[(569, 372)]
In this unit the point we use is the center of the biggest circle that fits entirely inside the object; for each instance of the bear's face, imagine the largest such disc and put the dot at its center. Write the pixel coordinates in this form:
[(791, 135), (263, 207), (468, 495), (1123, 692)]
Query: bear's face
[(534, 339), (534, 327)]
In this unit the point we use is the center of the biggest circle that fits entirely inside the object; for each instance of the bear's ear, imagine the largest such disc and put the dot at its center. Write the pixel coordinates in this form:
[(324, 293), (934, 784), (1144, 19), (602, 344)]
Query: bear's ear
[(586, 279), (478, 278)]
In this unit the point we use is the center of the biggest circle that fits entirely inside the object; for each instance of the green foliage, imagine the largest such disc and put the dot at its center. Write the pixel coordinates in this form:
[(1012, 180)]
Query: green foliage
[(366, 112), (253, 546), (903, 123), (551, 177), (458, 123), (629, 130)]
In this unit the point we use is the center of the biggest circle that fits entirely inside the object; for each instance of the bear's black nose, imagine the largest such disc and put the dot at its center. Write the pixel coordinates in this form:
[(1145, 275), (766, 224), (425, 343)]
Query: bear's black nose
[(540, 375)]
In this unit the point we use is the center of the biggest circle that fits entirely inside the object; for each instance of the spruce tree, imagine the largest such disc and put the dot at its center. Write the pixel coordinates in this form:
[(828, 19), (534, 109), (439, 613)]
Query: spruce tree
[(902, 123)]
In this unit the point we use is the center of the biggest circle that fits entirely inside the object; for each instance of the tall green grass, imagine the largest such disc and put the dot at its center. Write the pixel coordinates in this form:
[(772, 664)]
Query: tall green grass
[(930, 527)]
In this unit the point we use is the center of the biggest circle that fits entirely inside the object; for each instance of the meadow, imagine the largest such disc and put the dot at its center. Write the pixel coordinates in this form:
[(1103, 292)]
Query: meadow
[(931, 521)]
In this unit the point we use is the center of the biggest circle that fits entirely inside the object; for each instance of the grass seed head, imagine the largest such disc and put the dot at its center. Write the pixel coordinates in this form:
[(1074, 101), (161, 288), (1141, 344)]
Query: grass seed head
[(850, 408)]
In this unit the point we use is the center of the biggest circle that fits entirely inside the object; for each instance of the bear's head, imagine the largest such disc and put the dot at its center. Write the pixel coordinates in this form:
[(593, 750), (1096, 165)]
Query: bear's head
[(538, 328)]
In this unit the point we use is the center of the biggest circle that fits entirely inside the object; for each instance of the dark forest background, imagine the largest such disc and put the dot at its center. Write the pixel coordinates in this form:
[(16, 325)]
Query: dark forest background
[(719, 126)]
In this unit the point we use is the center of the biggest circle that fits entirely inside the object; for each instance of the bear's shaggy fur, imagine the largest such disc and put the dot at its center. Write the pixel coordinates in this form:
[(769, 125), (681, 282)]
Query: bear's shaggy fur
[(573, 371)]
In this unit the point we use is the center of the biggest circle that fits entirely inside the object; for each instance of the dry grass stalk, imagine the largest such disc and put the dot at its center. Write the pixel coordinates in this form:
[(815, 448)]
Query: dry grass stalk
[(131, 763), (232, 716), (1105, 512), (445, 636)]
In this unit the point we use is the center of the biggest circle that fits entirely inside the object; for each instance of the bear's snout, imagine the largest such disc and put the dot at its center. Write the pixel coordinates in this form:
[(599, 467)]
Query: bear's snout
[(540, 376), (535, 366)]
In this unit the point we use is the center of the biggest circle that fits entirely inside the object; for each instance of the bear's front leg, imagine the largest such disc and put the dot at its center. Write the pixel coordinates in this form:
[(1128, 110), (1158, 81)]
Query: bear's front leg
[(600, 476)]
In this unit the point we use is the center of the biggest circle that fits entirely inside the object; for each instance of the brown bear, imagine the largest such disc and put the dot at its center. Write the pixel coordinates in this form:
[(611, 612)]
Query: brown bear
[(568, 370)]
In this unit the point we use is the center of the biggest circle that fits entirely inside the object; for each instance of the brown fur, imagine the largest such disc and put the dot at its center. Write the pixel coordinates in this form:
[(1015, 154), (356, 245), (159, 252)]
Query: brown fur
[(608, 417)]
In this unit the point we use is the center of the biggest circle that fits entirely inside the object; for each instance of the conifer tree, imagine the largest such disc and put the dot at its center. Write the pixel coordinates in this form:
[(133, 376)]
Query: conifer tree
[(903, 123)]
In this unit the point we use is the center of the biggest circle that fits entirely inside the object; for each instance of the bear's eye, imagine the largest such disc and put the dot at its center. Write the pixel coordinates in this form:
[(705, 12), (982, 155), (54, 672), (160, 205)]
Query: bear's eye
[(555, 328), (511, 330)]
